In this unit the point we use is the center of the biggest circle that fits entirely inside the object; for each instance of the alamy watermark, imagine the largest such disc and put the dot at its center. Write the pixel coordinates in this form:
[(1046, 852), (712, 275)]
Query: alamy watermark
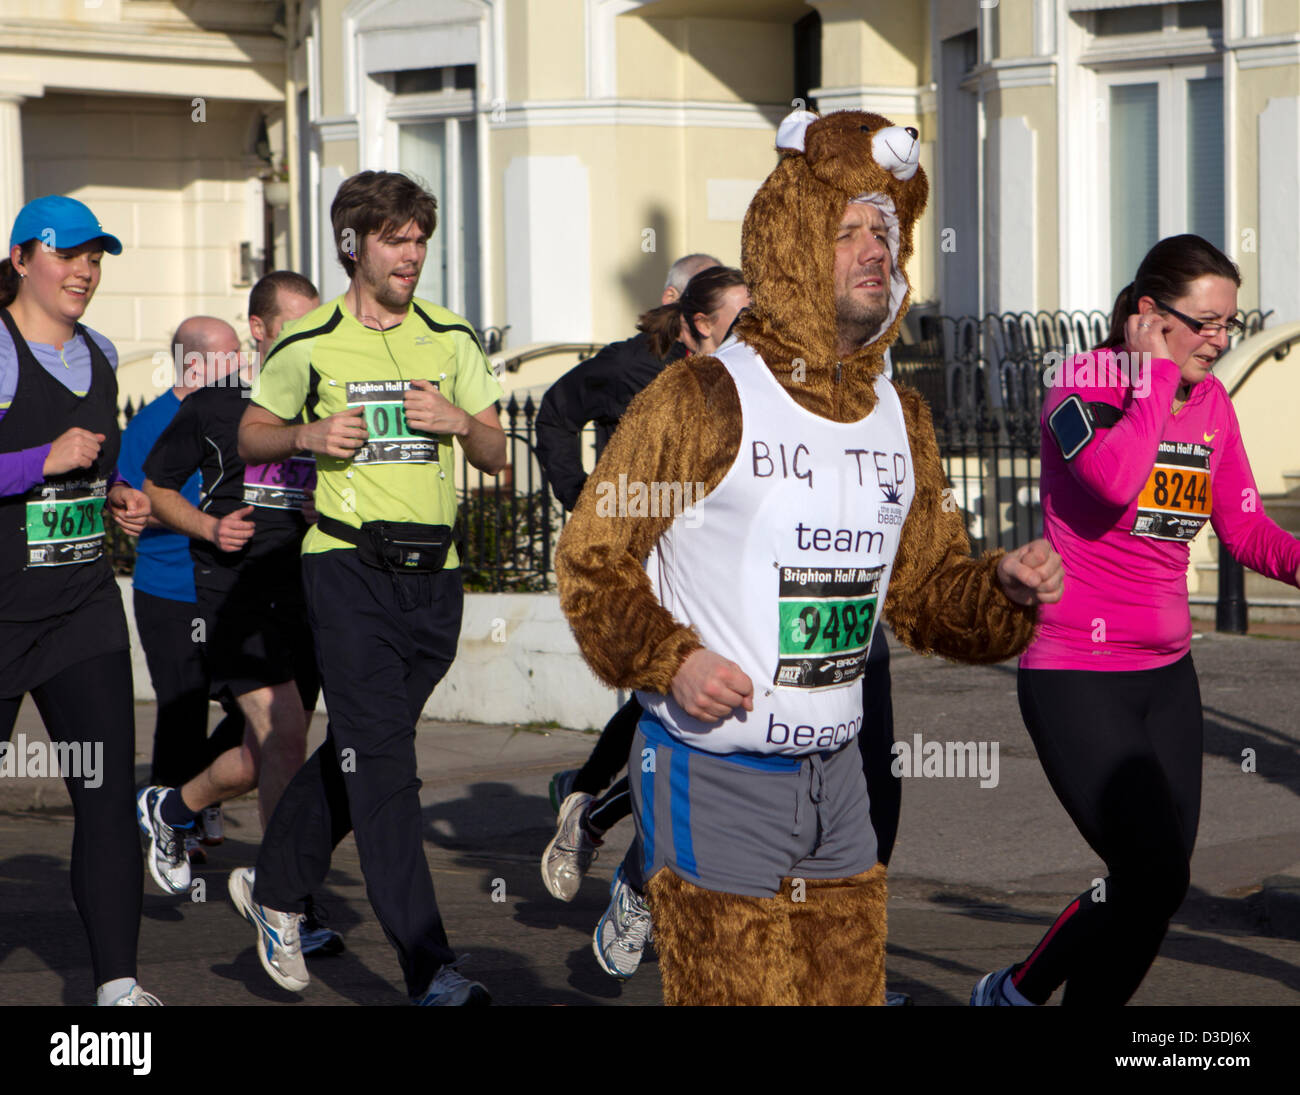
[(630, 498), (946, 760), (23, 759), (1118, 368)]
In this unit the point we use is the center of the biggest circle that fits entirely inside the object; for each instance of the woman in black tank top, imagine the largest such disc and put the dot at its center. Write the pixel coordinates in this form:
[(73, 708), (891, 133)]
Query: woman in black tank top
[(63, 634)]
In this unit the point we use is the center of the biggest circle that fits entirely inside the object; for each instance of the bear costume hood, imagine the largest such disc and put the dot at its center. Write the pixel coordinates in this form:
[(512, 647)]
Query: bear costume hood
[(788, 244)]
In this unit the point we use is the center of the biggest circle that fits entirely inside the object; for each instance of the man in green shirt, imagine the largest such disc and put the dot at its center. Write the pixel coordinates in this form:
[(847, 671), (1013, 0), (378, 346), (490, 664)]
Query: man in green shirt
[(375, 384)]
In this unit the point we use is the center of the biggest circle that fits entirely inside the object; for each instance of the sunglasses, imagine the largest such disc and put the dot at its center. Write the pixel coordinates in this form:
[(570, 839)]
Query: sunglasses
[(1234, 326)]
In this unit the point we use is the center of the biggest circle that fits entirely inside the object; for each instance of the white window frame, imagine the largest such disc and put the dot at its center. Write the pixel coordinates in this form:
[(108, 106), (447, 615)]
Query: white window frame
[(455, 109), (1170, 58)]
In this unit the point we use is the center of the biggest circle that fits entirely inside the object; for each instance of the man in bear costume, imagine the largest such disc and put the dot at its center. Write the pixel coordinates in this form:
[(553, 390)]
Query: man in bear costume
[(729, 558)]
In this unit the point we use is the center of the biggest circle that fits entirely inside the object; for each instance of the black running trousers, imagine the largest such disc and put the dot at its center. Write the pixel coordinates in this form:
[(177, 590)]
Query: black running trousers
[(181, 746), (1122, 751), (383, 642), (92, 705)]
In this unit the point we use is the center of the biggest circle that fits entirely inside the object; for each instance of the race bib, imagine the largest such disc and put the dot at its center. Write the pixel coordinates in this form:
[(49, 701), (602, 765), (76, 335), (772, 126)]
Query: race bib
[(282, 485), (391, 442), (65, 523), (1176, 501), (826, 619)]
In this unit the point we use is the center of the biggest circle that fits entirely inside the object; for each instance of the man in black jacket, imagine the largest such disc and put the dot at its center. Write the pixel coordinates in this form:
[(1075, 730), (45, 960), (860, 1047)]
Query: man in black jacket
[(598, 390)]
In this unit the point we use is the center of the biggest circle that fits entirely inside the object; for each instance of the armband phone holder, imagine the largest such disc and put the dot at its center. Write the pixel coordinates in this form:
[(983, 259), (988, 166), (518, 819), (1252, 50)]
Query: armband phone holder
[(1071, 424)]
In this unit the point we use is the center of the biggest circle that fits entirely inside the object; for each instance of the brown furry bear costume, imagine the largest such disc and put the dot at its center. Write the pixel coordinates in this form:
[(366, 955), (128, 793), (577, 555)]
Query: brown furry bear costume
[(826, 945)]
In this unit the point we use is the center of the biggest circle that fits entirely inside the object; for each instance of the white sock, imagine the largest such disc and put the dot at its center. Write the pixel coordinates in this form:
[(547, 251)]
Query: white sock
[(1013, 994), (110, 992)]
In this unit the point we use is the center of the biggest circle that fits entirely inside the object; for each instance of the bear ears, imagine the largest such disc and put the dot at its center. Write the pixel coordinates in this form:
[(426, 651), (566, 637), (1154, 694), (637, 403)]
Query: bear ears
[(789, 137)]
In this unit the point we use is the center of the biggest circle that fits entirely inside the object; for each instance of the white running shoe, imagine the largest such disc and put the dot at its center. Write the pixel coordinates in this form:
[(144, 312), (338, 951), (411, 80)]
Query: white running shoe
[(278, 946), (212, 826), (449, 989), (569, 854), (194, 851), (168, 862), (137, 998), (623, 932)]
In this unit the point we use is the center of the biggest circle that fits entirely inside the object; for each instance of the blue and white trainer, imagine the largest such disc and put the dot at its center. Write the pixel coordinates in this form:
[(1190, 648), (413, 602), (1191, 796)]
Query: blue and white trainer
[(988, 993), (621, 936), (450, 989), (315, 937), (278, 945), (168, 863)]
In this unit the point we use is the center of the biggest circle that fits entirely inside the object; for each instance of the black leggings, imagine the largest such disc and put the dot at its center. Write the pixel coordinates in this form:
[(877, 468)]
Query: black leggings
[(93, 702), (875, 743), (1122, 751)]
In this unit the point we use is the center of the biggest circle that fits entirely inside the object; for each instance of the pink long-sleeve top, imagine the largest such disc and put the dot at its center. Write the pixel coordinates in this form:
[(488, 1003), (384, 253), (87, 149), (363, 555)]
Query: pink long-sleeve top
[(1123, 512)]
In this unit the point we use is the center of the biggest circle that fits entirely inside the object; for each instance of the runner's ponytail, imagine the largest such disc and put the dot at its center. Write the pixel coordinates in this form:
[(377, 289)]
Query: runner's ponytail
[(10, 278)]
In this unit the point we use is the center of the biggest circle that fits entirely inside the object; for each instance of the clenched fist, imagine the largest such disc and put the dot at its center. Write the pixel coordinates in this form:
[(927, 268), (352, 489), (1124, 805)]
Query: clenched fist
[(709, 687), (129, 508), (72, 449), (340, 435), (1031, 574)]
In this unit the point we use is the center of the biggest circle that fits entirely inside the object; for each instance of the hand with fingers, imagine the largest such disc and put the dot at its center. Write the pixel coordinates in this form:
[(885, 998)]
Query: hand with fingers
[(72, 449), (340, 435), (129, 508), (1145, 334), (428, 410), (1031, 574), (233, 531), (709, 687)]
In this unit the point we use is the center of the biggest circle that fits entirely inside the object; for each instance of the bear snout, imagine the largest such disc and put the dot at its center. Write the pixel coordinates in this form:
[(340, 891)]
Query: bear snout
[(898, 150)]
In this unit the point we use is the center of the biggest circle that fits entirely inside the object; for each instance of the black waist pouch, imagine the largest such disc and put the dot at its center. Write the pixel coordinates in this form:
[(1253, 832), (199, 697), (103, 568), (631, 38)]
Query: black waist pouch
[(399, 546)]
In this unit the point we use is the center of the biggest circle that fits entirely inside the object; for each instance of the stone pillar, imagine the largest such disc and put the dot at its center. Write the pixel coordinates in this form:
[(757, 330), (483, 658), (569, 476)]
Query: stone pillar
[(11, 162)]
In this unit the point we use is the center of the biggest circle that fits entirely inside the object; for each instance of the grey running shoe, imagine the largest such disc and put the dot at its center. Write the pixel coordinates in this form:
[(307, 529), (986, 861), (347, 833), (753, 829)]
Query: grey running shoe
[(278, 945), (212, 826), (449, 989), (168, 862), (569, 854), (988, 992), (623, 932)]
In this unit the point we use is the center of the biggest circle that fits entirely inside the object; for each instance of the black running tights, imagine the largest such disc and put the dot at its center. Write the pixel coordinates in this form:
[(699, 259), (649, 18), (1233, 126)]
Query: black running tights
[(1122, 751), (92, 702)]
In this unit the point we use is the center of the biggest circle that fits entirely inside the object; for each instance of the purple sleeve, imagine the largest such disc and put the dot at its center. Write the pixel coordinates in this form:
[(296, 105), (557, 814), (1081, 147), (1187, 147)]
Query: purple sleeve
[(1114, 465), (22, 470), (1251, 536)]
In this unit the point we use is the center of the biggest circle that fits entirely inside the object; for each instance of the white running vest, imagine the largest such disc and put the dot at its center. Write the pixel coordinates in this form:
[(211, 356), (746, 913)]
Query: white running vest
[(785, 566)]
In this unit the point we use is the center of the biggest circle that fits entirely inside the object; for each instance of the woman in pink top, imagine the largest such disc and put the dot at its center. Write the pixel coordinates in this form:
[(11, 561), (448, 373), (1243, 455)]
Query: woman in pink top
[(1141, 448)]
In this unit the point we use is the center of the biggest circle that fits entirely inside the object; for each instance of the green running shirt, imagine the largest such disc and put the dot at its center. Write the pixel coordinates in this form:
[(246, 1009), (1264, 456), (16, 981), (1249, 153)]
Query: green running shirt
[(328, 360)]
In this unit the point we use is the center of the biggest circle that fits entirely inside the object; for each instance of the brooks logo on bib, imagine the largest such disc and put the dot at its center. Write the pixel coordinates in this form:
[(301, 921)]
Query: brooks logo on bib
[(391, 441), (784, 567)]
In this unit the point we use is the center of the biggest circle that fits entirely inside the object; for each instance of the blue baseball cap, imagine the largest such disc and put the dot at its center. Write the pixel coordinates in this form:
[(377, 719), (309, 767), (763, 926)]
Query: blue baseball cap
[(60, 222)]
